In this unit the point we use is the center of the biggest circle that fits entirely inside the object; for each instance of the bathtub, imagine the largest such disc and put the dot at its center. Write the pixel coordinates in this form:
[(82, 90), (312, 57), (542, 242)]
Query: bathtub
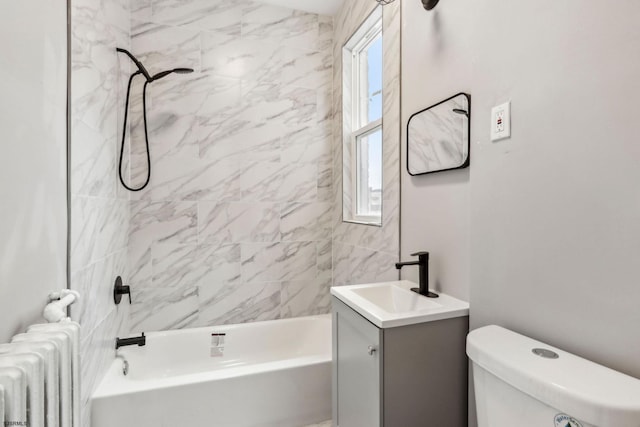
[(274, 373)]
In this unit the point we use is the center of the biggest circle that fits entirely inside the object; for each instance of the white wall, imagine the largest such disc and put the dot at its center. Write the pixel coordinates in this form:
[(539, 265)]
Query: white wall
[(554, 211), (434, 207), (33, 215)]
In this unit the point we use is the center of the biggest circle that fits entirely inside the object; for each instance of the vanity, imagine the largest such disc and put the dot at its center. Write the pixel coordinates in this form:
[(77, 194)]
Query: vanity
[(398, 357)]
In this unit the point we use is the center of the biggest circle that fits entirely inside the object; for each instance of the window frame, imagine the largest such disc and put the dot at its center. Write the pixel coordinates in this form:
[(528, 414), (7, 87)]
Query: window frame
[(370, 31)]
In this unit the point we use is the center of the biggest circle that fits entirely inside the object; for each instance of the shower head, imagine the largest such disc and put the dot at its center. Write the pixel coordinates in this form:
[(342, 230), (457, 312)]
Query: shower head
[(429, 4), (146, 74), (141, 68), (167, 72), (461, 111)]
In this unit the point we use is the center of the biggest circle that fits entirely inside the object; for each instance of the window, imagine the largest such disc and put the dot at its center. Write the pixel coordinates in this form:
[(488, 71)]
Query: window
[(362, 123)]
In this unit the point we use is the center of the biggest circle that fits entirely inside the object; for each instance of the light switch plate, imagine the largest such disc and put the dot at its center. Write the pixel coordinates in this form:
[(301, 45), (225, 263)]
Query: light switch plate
[(501, 121)]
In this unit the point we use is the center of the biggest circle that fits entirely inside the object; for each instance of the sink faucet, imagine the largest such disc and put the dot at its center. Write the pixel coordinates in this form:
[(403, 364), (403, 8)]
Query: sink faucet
[(423, 263), (139, 341)]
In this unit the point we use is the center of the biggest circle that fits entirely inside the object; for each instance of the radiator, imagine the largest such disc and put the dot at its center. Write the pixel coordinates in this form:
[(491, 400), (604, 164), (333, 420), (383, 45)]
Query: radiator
[(40, 372)]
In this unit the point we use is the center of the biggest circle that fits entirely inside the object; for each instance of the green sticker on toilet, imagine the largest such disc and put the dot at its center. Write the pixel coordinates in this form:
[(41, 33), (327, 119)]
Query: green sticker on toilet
[(564, 420)]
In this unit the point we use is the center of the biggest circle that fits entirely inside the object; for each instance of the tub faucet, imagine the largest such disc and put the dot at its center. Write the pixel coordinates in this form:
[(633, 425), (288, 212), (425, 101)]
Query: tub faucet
[(423, 264), (139, 341)]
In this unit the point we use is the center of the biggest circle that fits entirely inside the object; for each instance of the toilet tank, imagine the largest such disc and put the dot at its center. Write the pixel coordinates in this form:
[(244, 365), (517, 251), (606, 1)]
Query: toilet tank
[(524, 382)]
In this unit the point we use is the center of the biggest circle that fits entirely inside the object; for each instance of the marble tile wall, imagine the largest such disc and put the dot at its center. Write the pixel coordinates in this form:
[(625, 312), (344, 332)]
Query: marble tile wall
[(99, 206), (364, 253), (236, 223)]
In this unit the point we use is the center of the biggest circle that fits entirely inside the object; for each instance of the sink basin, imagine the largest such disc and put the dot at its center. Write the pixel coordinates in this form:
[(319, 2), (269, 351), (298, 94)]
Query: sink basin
[(394, 299), (393, 304)]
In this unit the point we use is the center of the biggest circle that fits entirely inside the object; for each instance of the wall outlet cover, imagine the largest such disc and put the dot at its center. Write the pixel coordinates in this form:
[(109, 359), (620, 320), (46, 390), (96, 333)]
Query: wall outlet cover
[(501, 121)]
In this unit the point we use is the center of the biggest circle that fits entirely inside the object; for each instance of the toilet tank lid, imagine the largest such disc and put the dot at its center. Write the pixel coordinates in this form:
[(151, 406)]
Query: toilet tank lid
[(582, 389)]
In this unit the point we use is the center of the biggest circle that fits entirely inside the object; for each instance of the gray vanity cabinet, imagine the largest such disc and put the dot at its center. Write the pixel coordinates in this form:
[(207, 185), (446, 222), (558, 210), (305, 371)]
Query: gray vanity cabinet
[(407, 376)]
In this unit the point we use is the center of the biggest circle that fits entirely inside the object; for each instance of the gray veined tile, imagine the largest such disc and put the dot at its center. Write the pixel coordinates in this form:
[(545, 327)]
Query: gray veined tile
[(263, 262), (299, 182), (160, 309), (280, 25), (175, 265), (93, 89), (229, 304), (218, 15), (213, 222), (324, 111), (261, 181), (161, 47), (305, 298), (188, 178), (141, 10), (237, 135), (242, 59), (218, 180), (139, 257), (200, 94), (93, 162), (369, 266), (325, 33), (290, 106), (99, 227), (308, 69), (254, 222), (309, 144), (171, 132), (164, 222), (221, 264), (342, 264), (324, 251), (305, 221), (96, 352), (95, 284), (325, 181)]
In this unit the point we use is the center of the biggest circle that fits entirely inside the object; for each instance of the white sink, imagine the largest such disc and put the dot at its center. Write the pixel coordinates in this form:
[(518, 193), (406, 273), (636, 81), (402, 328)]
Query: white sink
[(392, 304), (395, 299)]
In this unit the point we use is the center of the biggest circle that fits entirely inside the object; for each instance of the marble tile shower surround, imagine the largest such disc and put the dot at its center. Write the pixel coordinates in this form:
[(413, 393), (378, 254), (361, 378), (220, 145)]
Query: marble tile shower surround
[(236, 223), (364, 253), (99, 207)]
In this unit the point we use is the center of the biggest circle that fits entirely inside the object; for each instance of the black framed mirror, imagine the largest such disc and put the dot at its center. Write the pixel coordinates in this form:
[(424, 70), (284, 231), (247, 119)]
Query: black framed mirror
[(438, 137)]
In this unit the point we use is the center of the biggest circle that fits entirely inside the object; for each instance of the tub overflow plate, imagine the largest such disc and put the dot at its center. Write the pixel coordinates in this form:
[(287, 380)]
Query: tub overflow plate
[(547, 354)]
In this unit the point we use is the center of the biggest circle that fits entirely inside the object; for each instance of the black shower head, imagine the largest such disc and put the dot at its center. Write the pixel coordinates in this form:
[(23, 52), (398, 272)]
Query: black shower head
[(461, 111), (146, 74), (166, 73), (141, 68), (429, 4)]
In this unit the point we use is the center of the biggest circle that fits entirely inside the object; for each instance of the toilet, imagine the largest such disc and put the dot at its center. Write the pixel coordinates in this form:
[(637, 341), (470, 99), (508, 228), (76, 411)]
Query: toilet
[(523, 382)]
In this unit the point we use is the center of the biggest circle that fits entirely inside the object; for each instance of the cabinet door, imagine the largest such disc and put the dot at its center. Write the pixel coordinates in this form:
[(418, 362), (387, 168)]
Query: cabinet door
[(357, 369)]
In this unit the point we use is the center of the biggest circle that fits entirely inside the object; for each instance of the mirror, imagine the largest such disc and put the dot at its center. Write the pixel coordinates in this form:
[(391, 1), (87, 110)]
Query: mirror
[(438, 137)]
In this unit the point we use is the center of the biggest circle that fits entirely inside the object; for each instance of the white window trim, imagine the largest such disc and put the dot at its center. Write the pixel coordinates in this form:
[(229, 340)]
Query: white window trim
[(364, 131), (360, 41)]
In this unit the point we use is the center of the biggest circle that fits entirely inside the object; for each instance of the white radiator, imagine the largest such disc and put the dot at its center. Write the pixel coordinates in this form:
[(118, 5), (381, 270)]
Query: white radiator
[(40, 372)]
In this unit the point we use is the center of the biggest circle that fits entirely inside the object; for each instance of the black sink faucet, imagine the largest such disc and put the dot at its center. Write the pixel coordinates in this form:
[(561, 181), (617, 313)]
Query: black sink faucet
[(139, 341), (423, 263)]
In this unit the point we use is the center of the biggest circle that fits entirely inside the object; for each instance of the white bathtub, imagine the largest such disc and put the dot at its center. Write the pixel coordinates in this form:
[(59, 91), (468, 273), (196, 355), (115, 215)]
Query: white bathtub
[(274, 373)]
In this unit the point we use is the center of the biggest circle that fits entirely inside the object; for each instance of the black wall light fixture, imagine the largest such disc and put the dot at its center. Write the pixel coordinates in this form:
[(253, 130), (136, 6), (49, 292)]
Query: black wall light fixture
[(429, 4)]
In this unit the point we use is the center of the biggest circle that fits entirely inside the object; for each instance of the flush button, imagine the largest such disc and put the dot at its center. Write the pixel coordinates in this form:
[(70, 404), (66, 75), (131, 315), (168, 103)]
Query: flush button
[(547, 354)]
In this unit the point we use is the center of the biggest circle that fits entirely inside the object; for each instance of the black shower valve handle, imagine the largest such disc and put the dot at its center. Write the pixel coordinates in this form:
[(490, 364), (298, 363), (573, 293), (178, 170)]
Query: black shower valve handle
[(119, 289)]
